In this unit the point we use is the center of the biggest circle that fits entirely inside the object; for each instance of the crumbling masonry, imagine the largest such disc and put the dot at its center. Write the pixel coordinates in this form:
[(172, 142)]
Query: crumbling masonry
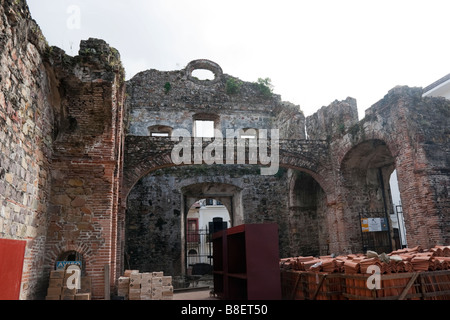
[(81, 172)]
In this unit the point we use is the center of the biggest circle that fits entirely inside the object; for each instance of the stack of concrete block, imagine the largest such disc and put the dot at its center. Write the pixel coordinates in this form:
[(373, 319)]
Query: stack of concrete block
[(55, 285), (58, 289), (84, 293), (146, 286), (124, 287), (134, 285), (167, 288)]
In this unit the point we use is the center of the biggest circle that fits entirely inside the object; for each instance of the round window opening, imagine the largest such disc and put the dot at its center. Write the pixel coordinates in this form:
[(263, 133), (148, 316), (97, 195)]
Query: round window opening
[(204, 71), (203, 75)]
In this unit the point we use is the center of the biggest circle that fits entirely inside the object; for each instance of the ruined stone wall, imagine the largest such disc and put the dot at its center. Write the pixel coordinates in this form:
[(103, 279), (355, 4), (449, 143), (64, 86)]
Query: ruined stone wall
[(430, 124), (175, 98), (333, 120), (416, 131), (26, 135)]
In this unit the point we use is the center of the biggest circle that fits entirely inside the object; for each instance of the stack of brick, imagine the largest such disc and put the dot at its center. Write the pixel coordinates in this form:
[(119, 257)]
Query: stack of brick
[(134, 285), (58, 289)]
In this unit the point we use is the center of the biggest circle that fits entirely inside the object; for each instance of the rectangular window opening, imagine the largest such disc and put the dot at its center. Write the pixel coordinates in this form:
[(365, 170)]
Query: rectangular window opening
[(160, 134), (204, 128)]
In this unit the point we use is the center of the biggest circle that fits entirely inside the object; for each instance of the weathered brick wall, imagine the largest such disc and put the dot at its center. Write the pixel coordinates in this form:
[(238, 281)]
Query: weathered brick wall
[(411, 125), (61, 139), (403, 131), (87, 159), (26, 135), (430, 122)]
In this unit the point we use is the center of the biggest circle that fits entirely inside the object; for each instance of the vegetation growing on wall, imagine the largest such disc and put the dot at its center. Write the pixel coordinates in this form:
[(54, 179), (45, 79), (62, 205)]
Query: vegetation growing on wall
[(265, 87)]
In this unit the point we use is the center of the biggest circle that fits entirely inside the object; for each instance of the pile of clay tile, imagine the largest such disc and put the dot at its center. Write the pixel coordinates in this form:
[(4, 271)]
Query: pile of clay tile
[(402, 269), (404, 260)]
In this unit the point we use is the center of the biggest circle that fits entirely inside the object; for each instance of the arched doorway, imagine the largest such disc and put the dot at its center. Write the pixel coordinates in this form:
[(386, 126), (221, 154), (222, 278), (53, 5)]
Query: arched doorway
[(366, 171), (204, 218), (208, 207), (307, 215), (70, 257), (155, 234)]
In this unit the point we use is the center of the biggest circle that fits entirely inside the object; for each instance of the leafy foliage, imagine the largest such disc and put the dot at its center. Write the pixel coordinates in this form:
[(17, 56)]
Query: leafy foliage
[(265, 87)]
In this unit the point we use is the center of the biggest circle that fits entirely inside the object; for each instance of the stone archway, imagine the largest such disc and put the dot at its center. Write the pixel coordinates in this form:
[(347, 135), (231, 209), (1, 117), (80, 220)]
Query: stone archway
[(156, 209), (366, 169), (226, 193), (204, 218), (307, 215), (229, 195)]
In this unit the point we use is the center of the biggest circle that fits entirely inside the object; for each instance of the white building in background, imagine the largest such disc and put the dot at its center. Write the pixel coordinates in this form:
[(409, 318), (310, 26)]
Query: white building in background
[(211, 209), (397, 219), (439, 88), (200, 215), (204, 211)]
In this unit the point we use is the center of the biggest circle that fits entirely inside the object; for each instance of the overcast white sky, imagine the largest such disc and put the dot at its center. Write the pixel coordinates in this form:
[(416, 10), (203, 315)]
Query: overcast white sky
[(314, 51)]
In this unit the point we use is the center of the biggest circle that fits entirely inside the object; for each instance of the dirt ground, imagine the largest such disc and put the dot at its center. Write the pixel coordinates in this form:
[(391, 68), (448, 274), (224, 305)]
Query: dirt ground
[(201, 294)]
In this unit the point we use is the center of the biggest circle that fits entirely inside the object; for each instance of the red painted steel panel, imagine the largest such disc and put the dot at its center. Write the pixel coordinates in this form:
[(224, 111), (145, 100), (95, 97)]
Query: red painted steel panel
[(11, 265)]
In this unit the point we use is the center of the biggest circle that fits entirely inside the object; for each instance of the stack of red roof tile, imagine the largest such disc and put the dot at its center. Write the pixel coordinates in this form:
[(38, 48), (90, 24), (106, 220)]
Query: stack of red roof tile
[(351, 266), (404, 260)]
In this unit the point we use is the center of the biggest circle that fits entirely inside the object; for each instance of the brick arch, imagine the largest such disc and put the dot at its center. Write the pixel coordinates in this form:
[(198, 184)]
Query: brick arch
[(389, 138), (365, 171), (360, 151), (316, 170), (57, 249)]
